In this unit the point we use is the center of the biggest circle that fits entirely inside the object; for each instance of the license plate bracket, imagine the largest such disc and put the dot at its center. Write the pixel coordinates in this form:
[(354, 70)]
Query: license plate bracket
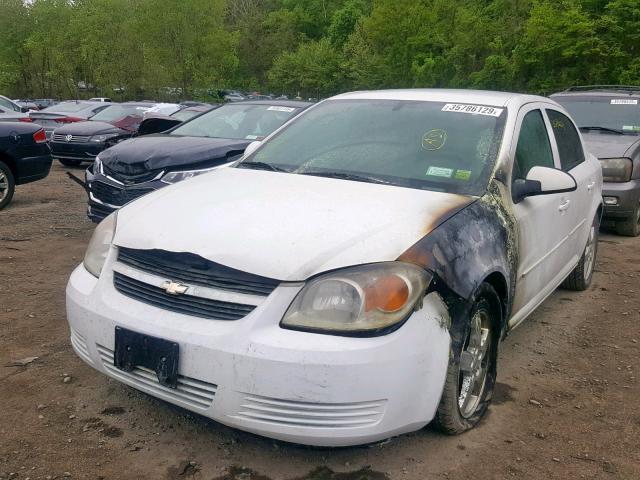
[(133, 349)]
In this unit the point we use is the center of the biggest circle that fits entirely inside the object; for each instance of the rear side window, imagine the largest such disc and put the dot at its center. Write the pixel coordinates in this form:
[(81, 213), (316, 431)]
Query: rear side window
[(568, 140), (534, 148)]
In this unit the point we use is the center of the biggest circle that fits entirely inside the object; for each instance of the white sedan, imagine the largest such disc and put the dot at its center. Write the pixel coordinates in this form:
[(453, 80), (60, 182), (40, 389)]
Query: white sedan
[(351, 278)]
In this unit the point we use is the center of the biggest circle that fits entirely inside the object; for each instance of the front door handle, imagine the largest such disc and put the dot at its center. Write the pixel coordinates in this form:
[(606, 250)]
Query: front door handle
[(564, 205), (591, 185)]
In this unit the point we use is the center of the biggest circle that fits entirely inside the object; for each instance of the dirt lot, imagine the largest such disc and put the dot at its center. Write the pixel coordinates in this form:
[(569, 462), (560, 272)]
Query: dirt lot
[(566, 405)]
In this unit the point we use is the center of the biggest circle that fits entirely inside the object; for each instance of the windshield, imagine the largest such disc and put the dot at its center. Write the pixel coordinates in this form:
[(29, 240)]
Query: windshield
[(616, 112), (117, 112), (429, 145), (184, 115), (248, 121)]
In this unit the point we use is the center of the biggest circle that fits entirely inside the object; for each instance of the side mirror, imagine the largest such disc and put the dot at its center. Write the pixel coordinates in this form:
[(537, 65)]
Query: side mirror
[(24, 109), (542, 181), (251, 148)]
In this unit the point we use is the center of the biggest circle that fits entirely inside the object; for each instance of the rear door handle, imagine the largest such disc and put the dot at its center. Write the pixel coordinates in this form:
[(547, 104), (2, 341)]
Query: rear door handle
[(564, 205)]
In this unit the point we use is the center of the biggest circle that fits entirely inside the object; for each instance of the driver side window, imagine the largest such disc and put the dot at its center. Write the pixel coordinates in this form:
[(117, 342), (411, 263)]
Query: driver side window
[(534, 148)]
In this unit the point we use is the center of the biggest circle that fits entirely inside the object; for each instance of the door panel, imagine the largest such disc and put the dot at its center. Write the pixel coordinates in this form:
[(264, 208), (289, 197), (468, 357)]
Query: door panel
[(543, 224), (572, 161)]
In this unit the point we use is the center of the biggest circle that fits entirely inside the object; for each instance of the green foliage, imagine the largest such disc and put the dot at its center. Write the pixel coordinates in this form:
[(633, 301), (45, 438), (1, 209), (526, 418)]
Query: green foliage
[(161, 49)]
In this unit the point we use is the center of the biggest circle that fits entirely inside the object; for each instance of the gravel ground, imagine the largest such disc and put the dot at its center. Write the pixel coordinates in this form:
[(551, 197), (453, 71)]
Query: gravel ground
[(566, 403)]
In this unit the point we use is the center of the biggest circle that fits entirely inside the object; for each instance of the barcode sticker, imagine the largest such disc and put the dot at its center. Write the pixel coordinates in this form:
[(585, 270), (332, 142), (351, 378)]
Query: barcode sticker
[(623, 101)]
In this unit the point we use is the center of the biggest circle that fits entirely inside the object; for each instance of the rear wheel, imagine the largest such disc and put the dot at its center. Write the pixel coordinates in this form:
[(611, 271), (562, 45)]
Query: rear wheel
[(7, 185), (631, 226), (471, 377), (580, 278), (70, 163)]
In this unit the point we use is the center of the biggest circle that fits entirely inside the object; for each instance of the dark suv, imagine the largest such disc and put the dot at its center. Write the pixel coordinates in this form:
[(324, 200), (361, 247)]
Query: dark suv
[(609, 119)]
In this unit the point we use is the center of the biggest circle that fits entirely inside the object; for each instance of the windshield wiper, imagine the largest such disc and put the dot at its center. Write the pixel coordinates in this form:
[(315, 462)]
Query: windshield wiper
[(346, 176), (260, 166), (603, 129)]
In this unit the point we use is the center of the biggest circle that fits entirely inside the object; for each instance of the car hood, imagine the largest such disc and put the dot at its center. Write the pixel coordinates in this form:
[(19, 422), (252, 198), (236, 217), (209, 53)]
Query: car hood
[(284, 226), (154, 152), (604, 145), (88, 128)]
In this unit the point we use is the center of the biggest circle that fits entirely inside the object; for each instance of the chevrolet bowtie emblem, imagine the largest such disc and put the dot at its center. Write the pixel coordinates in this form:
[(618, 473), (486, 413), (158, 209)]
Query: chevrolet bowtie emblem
[(174, 288)]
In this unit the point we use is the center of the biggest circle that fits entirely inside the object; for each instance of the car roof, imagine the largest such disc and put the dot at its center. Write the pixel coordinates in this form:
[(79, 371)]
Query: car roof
[(483, 97), (599, 91), (275, 103)]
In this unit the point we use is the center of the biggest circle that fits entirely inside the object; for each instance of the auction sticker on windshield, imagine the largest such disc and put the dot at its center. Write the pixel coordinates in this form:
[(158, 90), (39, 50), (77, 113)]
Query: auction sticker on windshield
[(623, 101), (281, 109), (440, 172), (472, 109)]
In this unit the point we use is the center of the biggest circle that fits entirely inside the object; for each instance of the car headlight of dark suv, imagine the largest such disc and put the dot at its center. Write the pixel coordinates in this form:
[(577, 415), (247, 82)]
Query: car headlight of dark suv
[(616, 169)]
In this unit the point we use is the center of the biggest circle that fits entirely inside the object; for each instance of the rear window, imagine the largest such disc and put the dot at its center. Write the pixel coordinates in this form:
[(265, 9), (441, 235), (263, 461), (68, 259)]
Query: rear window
[(67, 107)]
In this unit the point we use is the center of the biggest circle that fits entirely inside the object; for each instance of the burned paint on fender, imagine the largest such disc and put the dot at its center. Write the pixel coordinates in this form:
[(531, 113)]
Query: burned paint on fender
[(474, 243)]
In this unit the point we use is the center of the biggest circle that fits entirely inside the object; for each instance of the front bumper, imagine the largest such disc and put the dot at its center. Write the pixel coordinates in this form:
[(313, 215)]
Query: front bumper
[(107, 195), (255, 376), (627, 195), (85, 151)]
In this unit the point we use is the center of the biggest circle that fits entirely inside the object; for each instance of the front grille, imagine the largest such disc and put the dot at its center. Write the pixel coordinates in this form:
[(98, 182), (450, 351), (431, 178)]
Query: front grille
[(60, 137), (291, 413), (196, 393), (190, 268), (114, 195), (185, 304)]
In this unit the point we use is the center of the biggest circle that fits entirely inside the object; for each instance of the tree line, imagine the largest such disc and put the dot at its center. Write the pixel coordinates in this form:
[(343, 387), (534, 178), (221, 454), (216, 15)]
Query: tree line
[(313, 48)]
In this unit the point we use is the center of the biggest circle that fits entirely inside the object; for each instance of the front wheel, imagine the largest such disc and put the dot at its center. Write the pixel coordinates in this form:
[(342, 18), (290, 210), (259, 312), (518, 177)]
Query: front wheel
[(631, 226), (70, 163), (471, 374), (580, 278), (7, 185)]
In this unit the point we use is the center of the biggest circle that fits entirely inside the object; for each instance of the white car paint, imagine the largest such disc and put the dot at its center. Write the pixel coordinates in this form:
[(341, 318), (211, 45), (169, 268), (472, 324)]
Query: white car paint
[(283, 226), (299, 386)]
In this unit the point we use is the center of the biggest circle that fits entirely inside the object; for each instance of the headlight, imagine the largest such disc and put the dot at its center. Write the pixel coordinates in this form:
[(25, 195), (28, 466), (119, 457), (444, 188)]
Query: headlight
[(616, 169), (100, 244), (97, 165), (361, 300), (103, 138), (175, 177)]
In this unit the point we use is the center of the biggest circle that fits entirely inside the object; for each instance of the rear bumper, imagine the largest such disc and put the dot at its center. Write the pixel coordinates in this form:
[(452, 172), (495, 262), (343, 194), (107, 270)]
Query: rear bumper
[(627, 195), (30, 169)]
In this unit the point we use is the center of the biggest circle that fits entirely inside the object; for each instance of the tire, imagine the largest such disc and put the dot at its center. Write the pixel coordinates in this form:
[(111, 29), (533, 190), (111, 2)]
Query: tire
[(70, 163), (461, 410), (580, 278), (7, 185), (631, 226)]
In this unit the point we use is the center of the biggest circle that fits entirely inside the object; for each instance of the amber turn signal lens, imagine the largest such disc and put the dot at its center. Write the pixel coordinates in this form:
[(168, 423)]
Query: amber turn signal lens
[(387, 294)]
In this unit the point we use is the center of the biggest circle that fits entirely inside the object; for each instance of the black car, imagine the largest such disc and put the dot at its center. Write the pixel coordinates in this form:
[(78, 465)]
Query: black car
[(609, 119), (143, 164), (24, 157), (81, 141), (157, 122)]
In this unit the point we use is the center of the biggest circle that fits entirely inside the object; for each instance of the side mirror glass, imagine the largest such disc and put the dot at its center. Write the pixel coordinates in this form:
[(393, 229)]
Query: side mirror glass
[(542, 181), (251, 148)]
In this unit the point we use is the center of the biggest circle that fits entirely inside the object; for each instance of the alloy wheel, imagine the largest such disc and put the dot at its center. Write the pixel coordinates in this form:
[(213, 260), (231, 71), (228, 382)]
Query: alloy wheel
[(4, 186), (474, 364), (590, 254)]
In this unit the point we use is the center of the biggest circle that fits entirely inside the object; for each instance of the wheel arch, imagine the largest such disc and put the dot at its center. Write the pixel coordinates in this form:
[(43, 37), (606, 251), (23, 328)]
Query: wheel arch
[(9, 160)]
